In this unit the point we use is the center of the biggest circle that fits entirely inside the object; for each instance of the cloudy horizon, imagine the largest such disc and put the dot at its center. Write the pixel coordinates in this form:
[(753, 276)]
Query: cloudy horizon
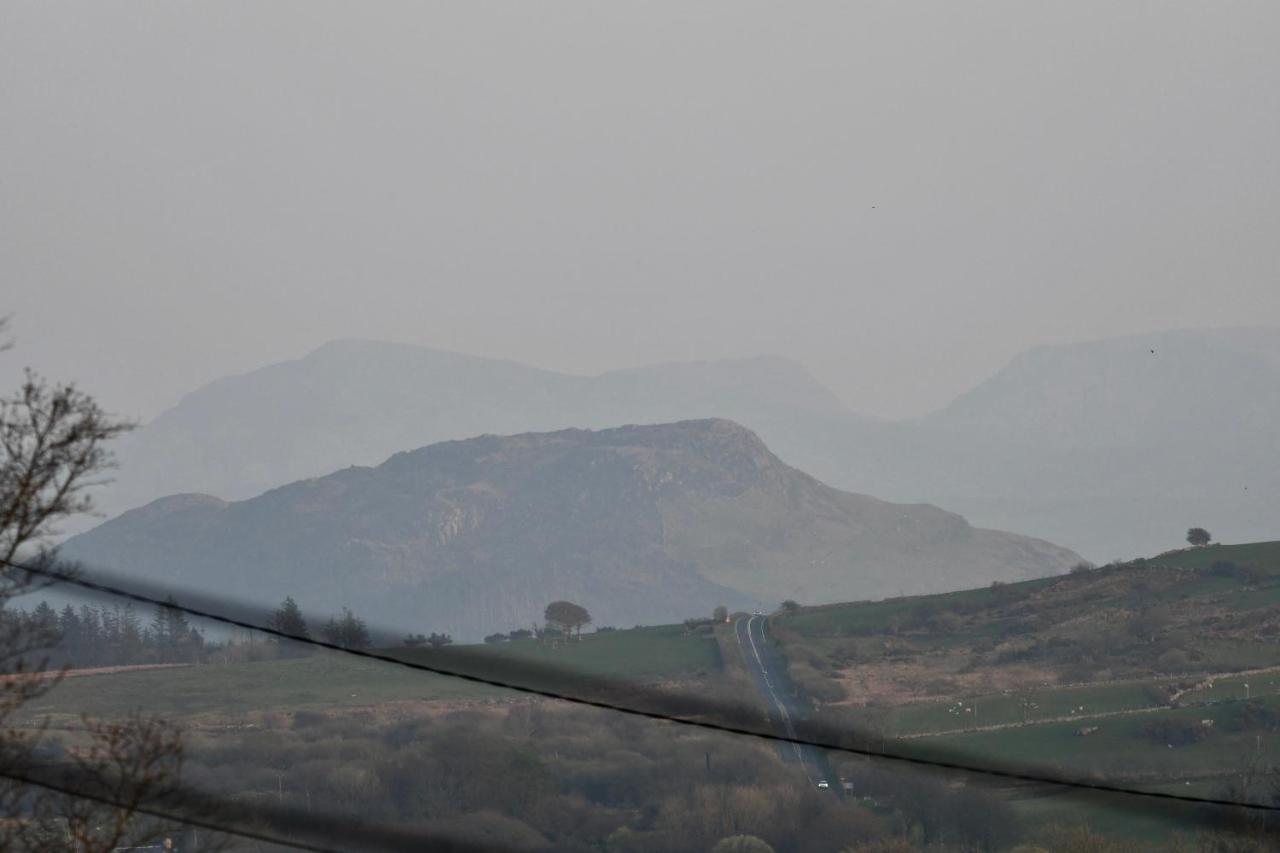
[(899, 198)]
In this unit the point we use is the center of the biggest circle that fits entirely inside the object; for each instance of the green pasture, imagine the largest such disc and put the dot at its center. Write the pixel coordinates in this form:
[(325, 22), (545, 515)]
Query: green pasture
[(333, 680)]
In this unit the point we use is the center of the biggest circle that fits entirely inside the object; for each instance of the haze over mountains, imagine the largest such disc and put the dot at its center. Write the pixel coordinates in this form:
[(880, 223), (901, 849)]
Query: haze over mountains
[(639, 524), (1111, 447), (354, 402)]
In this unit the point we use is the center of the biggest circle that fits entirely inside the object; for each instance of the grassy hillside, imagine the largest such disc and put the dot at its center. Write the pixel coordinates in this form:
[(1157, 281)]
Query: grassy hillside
[(1182, 614), (330, 680), (1162, 672)]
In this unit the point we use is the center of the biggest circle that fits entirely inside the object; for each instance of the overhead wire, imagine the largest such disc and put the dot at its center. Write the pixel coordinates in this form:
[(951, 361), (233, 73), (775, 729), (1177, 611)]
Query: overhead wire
[(189, 809), (161, 814), (78, 579)]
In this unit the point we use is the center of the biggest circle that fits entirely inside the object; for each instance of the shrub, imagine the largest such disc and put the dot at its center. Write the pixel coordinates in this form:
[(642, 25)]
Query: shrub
[(846, 654), (813, 685), (742, 844), (1174, 660), (307, 719), (1175, 731), (1229, 569), (1254, 716)]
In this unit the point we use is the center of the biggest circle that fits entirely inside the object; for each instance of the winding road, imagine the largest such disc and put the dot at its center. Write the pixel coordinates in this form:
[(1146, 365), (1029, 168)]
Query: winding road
[(769, 675)]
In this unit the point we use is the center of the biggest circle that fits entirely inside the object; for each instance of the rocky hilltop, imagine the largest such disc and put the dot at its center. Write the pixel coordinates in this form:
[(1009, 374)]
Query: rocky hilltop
[(640, 524), (355, 402)]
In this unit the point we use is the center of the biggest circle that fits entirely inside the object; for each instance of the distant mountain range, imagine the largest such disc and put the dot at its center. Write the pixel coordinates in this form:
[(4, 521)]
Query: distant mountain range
[(354, 402), (639, 524), (1112, 447)]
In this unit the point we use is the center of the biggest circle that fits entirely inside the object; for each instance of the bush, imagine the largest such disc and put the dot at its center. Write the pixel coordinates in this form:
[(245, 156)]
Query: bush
[(742, 844), (1175, 731), (1174, 660), (846, 654), (813, 685), (307, 719), (1229, 569), (1156, 694), (1253, 717)]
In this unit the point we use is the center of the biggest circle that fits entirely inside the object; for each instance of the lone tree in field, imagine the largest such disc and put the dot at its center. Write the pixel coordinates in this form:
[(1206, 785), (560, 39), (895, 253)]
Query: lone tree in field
[(1198, 537), (567, 616), (720, 614)]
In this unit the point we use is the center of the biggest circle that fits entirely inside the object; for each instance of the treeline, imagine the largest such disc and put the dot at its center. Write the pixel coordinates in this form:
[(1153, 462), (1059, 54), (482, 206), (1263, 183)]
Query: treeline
[(344, 629), (109, 636), (121, 635)]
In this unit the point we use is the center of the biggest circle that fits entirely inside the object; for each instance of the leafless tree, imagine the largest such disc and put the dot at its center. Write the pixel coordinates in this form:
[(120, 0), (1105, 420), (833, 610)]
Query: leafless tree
[(53, 450), (120, 770)]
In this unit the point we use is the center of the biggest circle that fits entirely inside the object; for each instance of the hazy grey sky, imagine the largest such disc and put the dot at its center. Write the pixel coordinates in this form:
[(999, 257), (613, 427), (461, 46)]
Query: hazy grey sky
[(900, 195)]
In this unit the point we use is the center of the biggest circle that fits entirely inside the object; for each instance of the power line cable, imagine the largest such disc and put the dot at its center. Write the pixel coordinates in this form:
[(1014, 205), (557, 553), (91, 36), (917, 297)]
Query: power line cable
[(161, 814), (358, 834), (117, 591)]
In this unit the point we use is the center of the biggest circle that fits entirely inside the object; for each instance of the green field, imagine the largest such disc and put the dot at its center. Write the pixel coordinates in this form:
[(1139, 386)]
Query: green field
[(1264, 556), (332, 680), (1079, 702), (320, 681), (1118, 818), (1118, 750), (1233, 688), (870, 617), (878, 616), (1116, 651), (636, 653)]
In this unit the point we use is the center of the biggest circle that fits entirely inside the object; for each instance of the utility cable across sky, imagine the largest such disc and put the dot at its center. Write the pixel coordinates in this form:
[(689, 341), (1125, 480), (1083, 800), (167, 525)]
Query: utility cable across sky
[(80, 580)]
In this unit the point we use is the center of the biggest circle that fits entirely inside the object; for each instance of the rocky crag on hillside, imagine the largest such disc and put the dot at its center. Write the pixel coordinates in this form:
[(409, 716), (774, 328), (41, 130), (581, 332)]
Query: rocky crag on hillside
[(640, 524)]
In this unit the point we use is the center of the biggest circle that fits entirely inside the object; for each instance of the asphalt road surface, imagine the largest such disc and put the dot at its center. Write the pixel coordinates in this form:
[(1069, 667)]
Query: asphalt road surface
[(769, 675)]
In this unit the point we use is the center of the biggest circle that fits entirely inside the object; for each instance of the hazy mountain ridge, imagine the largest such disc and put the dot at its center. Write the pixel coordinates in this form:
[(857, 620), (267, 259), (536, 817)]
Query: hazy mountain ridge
[(355, 402), (640, 524), (1118, 448), (1104, 446), (1137, 391)]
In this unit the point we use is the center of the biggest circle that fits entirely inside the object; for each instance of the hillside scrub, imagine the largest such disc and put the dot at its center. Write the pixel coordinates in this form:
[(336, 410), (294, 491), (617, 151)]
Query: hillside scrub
[(1215, 609), (562, 779)]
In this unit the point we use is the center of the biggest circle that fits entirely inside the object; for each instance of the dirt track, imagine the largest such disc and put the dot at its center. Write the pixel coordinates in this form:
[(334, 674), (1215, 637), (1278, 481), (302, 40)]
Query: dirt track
[(92, 670)]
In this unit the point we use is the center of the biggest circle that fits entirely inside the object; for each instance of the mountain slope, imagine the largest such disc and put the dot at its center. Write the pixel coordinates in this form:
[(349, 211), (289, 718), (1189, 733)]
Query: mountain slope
[(1114, 446), (1137, 391), (1111, 447), (355, 402), (638, 524)]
